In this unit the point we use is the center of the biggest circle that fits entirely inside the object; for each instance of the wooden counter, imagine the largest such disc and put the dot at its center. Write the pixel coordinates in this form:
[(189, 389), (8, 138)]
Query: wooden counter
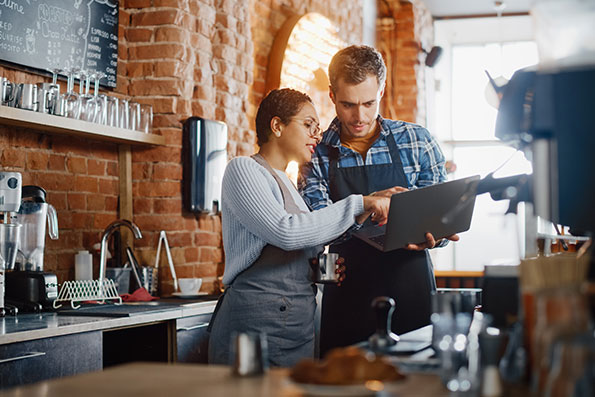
[(157, 380)]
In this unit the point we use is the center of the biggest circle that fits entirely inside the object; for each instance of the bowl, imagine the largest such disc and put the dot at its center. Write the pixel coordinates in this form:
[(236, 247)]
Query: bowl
[(189, 286)]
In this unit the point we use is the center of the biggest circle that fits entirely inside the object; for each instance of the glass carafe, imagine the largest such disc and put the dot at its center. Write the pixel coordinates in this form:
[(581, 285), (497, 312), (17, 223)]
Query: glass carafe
[(32, 216)]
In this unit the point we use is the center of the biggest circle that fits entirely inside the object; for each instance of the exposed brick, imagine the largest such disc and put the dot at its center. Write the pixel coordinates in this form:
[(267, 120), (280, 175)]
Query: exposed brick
[(168, 206), (140, 69), (155, 51), (138, 34), (77, 201), (86, 184), (77, 165), (171, 34), (157, 87), (167, 171), (95, 202), (57, 162), (12, 158), (37, 160), (158, 17), (95, 167)]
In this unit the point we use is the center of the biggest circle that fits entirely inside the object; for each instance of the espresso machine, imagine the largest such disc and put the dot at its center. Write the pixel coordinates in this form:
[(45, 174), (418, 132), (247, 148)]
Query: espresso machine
[(10, 202), (28, 287)]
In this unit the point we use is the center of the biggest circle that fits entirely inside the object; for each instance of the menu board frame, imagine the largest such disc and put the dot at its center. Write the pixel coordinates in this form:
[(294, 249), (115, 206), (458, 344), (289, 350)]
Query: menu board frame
[(43, 35)]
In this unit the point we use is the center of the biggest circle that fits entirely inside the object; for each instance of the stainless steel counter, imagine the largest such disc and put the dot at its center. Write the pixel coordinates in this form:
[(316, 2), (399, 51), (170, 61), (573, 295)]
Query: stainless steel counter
[(24, 327)]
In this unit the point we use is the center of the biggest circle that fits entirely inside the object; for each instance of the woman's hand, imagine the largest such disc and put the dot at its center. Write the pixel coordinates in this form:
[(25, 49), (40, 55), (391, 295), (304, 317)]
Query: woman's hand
[(340, 269), (377, 207)]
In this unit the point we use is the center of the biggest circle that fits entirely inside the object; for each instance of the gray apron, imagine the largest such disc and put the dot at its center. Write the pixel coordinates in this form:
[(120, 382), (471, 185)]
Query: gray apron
[(275, 295)]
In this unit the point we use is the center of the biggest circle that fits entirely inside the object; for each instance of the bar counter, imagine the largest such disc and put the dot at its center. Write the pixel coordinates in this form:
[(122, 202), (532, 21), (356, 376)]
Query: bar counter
[(157, 379)]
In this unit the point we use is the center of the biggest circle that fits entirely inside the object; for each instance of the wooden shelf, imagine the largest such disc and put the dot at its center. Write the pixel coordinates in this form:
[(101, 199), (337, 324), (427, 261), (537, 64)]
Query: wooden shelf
[(62, 125)]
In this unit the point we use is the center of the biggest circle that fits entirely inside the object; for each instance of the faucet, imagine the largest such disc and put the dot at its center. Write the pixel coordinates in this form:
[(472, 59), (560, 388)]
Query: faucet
[(105, 237)]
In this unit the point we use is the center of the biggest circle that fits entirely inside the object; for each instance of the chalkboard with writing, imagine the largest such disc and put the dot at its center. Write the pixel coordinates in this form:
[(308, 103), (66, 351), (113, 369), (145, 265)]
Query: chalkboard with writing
[(53, 34)]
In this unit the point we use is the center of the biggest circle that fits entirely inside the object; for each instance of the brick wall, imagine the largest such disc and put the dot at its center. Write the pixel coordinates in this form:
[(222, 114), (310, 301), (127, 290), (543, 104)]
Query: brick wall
[(186, 58), (403, 28)]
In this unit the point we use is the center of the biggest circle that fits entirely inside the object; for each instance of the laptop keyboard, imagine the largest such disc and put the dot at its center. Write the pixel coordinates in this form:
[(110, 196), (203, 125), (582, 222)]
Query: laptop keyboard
[(378, 240)]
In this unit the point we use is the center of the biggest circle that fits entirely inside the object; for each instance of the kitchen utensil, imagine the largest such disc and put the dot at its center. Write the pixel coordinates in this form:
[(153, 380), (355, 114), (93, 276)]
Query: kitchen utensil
[(121, 278), (146, 276), (48, 95), (7, 91), (26, 97), (190, 286), (134, 266), (33, 215), (250, 354), (324, 268), (383, 338), (163, 240)]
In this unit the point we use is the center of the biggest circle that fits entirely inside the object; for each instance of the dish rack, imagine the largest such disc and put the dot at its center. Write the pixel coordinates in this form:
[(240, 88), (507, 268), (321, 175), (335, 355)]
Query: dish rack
[(87, 290)]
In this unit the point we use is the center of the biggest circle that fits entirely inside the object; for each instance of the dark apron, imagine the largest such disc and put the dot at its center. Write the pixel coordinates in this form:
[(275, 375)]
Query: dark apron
[(406, 276), (274, 295)]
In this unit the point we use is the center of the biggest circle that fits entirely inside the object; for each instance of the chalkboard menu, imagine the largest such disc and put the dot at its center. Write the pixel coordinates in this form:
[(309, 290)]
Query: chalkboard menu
[(52, 34)]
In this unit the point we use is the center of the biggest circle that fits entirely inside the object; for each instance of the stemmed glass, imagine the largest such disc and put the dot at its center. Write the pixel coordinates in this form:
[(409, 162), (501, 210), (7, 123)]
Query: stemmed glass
[(100, 101), (70, 98), (88, 105), (54, 103)]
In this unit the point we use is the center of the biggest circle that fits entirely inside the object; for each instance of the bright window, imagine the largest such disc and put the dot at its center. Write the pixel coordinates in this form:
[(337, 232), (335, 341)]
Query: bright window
[(464, 123)]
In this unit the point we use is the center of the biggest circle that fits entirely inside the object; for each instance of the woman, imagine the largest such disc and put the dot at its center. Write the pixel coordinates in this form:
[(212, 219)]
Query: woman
[(269, 234)]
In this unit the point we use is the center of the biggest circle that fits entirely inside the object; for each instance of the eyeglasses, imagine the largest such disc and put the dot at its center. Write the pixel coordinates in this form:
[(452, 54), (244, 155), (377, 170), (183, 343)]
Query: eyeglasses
[(312, 126)]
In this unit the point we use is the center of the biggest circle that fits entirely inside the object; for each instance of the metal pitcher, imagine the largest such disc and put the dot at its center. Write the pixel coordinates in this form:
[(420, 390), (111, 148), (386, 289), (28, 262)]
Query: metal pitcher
[(26, 97), (7, 91), (324, 268), (48, 95)]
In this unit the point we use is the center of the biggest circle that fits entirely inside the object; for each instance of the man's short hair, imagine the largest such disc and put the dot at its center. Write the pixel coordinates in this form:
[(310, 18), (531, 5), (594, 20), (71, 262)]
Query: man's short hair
[(354, 64)]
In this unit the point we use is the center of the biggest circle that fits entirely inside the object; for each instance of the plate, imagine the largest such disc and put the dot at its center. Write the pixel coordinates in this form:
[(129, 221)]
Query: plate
[(181, 295), (310, 389)]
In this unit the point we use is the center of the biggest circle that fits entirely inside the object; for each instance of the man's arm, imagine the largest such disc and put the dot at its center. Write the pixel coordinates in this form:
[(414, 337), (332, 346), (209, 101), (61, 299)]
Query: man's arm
[(313, 183)]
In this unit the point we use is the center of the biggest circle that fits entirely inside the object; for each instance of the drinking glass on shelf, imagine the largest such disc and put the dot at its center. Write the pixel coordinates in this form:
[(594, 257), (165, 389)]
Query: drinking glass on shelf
[(100, 103), (88, 103), (134, 121), (146, 118), (70, 98), (112, 111), (124, 114)]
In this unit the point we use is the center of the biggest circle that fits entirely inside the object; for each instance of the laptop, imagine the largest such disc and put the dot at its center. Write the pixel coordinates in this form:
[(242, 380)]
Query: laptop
[(442, 209)]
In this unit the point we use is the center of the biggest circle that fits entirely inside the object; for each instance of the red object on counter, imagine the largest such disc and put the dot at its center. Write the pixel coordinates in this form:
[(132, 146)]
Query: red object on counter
[(139, 295)]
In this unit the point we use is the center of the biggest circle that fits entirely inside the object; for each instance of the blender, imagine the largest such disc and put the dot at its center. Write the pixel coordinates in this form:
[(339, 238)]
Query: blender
[(10, 201), (28, 287)]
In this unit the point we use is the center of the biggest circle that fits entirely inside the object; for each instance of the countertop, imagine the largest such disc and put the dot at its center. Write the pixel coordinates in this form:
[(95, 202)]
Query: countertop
[(156, 380), (24, 327)]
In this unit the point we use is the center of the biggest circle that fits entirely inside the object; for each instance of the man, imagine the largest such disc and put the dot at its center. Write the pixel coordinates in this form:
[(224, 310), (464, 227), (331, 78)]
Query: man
[(363, 153)]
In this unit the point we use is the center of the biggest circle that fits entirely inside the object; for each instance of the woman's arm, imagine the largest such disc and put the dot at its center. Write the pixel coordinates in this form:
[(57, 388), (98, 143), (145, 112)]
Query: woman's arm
[(253, 196)]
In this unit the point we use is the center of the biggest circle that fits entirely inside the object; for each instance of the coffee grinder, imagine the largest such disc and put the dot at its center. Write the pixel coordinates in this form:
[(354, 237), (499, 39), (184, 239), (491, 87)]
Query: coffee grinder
[(10, 202), (28, 287)]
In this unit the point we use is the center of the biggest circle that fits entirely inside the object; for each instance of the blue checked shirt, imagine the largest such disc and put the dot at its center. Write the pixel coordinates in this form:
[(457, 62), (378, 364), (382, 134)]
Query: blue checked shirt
[(423, 161), (422, 158)]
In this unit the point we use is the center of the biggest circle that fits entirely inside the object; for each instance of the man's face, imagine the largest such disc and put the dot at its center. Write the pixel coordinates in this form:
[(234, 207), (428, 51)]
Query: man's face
[(357, 106)]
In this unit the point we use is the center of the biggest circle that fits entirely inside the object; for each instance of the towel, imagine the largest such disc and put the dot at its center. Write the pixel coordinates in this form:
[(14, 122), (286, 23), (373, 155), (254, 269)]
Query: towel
[(139, 295)]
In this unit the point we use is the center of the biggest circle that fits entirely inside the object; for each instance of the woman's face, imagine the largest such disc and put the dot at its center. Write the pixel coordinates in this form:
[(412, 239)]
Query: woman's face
[(301, 134)]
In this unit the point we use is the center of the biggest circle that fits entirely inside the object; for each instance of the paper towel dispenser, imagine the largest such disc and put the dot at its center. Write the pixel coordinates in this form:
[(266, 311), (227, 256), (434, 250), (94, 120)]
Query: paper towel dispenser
[(205, 158)]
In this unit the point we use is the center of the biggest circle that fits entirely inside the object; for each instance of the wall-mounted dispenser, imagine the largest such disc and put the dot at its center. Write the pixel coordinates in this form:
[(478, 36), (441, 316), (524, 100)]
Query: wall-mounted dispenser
[(205, 159)]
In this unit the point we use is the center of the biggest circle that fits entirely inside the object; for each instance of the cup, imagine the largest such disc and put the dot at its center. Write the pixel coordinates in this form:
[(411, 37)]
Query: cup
[(324, 268), (146, 118), (7, 91), (189, 286), (134, 120), (250, 353), (48, 94), (123, 114), (9, 244), (26, 97)]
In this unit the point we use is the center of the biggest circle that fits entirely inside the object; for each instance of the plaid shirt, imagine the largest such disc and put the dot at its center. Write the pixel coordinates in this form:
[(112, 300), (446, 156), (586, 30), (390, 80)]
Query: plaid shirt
[(423, 161)]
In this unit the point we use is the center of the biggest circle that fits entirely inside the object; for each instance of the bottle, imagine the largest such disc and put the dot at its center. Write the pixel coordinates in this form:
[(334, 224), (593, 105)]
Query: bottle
[(83, 266)]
